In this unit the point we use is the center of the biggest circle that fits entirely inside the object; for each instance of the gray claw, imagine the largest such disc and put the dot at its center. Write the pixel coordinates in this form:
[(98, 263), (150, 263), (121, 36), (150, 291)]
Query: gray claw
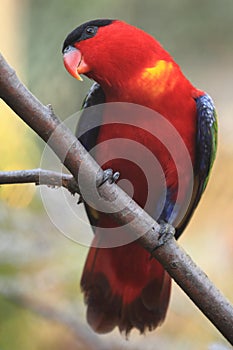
[(166, 232), (80, 200), (110, 176)]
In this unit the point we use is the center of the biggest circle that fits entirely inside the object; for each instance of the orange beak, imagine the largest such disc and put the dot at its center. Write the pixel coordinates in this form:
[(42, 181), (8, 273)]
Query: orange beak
[(74, 62)]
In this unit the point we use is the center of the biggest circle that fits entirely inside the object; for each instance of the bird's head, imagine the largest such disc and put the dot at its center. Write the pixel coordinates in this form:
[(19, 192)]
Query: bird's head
[(110, 51)]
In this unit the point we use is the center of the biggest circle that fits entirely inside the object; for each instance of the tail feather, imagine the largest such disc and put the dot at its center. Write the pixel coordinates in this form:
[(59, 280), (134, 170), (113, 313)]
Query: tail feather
[(124, 287)]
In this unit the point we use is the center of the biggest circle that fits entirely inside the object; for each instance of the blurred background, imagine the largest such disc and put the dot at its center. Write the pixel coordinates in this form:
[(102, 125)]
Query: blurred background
[(40, 302)]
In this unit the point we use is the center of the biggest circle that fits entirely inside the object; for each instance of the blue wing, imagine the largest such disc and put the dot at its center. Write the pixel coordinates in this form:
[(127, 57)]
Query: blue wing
[(206, 146), (206, 140), (87, 131)]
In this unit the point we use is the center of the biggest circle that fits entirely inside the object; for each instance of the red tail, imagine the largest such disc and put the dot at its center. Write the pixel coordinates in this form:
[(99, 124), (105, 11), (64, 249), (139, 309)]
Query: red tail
[(124, 287)]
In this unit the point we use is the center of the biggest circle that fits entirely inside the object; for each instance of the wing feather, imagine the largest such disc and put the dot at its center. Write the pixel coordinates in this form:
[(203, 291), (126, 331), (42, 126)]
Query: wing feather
[(206, 146), (87, 132)]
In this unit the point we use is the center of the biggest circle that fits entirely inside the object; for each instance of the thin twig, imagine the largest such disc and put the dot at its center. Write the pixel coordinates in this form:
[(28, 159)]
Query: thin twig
[(179, 265), (40, 177)]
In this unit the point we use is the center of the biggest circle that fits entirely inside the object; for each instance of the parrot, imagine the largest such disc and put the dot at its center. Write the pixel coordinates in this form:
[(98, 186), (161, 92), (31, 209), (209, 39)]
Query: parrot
[(123, 285)]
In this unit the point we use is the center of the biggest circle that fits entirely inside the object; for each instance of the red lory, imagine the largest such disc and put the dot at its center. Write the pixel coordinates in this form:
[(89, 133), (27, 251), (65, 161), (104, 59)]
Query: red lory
[(122, 285)]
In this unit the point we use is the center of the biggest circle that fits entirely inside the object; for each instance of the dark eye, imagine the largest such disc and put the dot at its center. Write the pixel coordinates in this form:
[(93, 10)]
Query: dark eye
[(90, 31)]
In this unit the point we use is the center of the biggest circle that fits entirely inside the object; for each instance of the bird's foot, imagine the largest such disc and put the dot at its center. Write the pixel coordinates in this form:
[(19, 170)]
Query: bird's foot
[(110, 176), (166, 232)]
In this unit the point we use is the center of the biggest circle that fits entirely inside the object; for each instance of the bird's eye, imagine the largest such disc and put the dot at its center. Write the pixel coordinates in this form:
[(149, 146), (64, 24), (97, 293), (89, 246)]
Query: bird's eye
[(90, 31)]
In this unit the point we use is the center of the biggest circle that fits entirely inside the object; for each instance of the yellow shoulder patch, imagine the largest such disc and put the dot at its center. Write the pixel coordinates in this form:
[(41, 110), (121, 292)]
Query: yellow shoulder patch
[(162, 67), (161, 76)]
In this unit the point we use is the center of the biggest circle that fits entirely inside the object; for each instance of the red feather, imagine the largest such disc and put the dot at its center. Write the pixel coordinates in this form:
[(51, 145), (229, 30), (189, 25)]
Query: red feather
[(123, 286)]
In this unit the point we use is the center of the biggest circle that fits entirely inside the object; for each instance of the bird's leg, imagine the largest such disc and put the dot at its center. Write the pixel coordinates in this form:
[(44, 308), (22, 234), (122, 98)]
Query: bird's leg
[(110, 176)]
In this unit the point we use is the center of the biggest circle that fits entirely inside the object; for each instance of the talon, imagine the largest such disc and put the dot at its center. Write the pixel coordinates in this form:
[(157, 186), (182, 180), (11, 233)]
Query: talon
[(166, 229), (115, 176), (80, 200), (166, 232), (110, 176)]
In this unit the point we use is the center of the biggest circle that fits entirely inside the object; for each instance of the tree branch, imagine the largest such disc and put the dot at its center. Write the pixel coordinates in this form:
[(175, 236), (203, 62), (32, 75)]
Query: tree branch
[(40, 177), (72, 154)]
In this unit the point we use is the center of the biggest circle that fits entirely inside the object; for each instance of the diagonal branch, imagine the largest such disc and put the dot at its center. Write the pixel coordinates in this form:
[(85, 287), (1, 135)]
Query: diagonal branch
[(72, 154)]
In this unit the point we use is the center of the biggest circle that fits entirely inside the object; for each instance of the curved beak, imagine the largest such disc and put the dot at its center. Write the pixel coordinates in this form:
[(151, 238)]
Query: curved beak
[(74, 62)]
